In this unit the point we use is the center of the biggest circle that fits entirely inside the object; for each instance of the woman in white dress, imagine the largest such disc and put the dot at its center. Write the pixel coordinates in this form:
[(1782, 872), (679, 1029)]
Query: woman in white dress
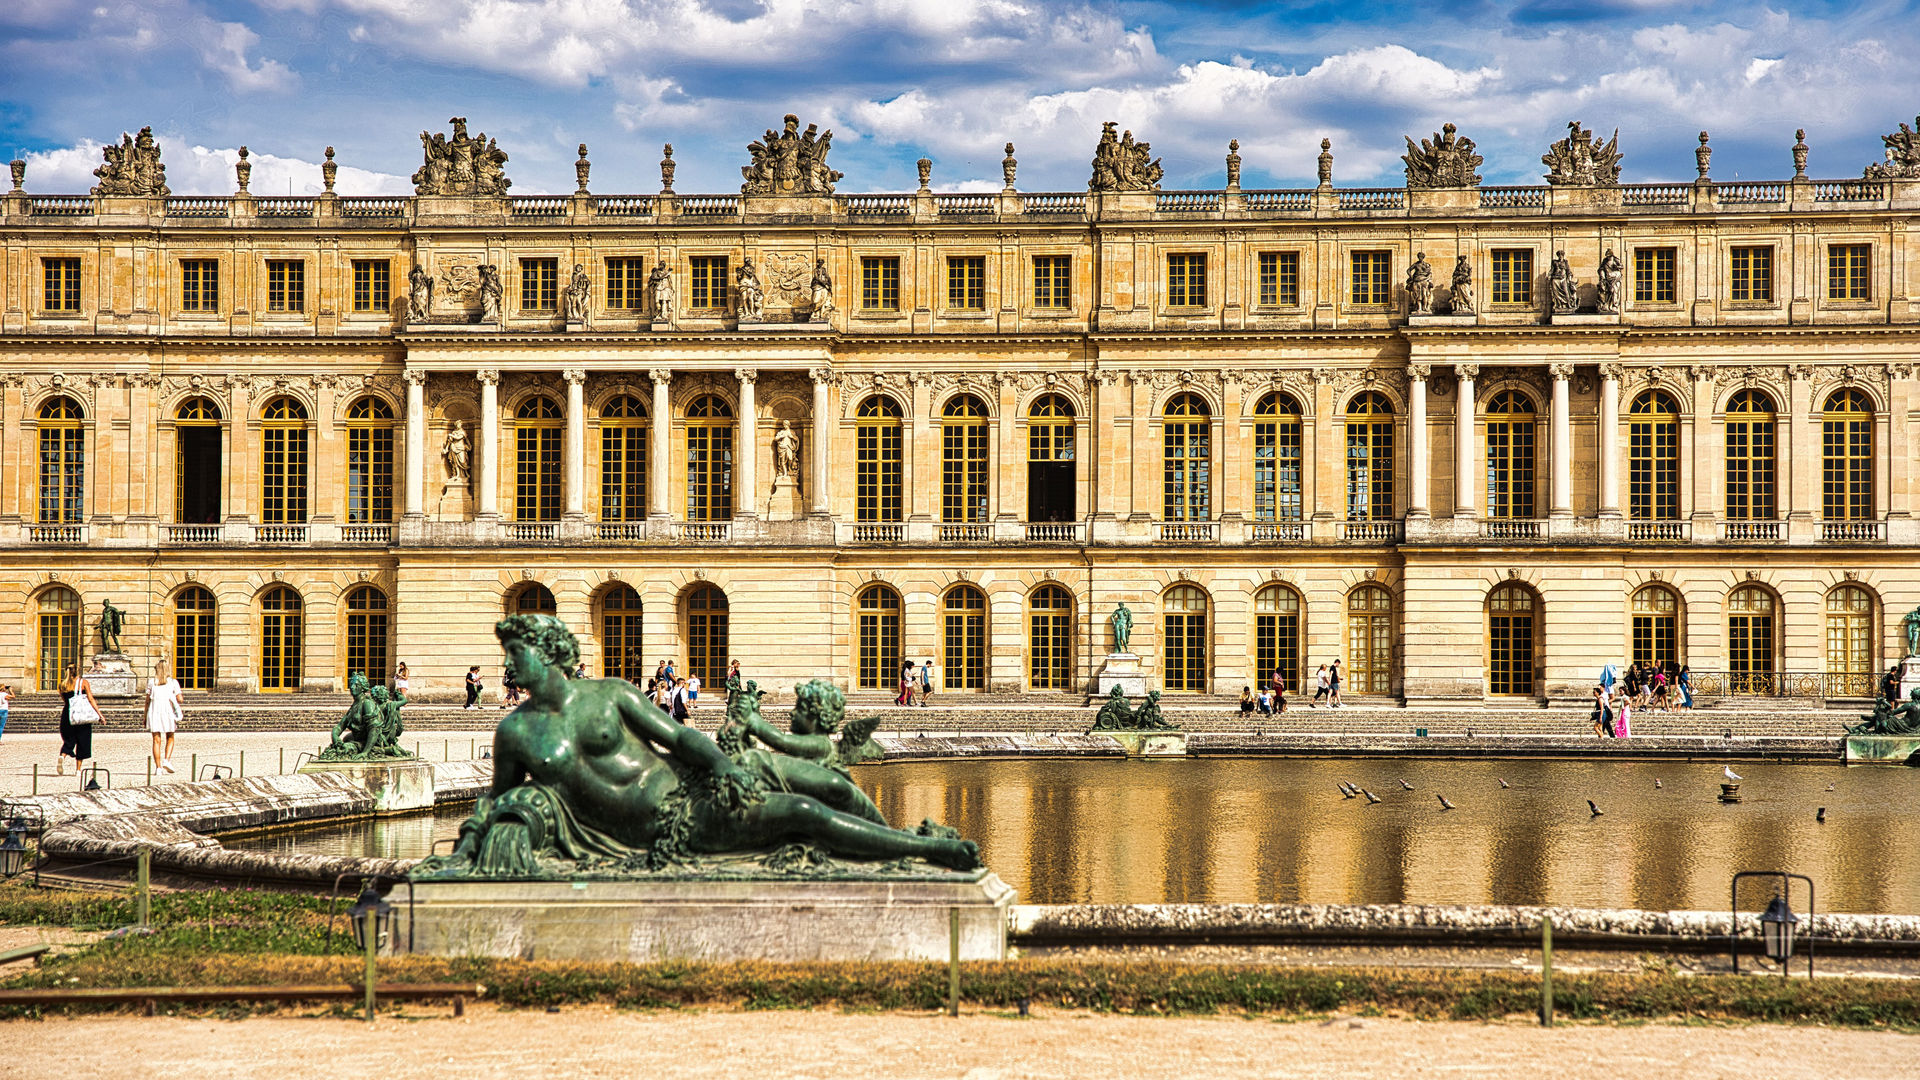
[(163, 715)]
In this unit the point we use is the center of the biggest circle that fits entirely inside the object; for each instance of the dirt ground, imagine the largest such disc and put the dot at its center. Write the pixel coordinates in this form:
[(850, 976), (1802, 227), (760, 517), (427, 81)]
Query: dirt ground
[(602, 1042)]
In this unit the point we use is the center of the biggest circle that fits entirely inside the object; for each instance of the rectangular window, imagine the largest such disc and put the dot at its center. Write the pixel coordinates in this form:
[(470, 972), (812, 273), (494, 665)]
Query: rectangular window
[(1371, 284), (1513, 277), (61, 278), (966, 283), (286, 285), (1653, 275), (199, 285), (1279, 279), (1847, 268), (1751, 274), (539, 284), (624, 284), (371, 284), (1052, 288), (1186, 281), (880, 284), (707, 284)]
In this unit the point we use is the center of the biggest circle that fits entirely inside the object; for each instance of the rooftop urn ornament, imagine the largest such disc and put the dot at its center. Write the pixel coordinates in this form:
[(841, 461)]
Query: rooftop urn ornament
[(925, 168), (791, 162), (1903, 156), (1326, 163), (329, 171), (1800, 154), (666, 169), (1445, 161), (464, 165), (1582, 160), (1120, 164), (1703, 156), (19, 170), (132, 168), (1009, 165), (243, 171), (1233, 165), (580, 170)]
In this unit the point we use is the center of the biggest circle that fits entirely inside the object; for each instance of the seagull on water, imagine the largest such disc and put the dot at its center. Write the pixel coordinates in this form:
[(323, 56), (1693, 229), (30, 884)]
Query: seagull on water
[(1345, 790), (1371, 797), (1404, 786), (1657, 783), (1829, 787), (1444, 804), (1595, 809), (1731, 775), (1503, 783)]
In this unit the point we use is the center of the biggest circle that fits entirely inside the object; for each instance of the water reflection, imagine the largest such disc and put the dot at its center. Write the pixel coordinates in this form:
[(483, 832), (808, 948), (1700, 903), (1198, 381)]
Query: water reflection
[(1256, 830)]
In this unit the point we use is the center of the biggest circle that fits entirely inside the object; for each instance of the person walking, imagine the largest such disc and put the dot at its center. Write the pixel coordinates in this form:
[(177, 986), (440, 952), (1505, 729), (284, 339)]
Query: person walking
[(509, 688), (733, 673), (663, 694), (1319, 687), (677, 703), (660, 673), (926, 682), (163, 715), (1333, 685), (474, 686), (76, 719), (1602, 712), (6, 703), (1685, 681), (905, 696)]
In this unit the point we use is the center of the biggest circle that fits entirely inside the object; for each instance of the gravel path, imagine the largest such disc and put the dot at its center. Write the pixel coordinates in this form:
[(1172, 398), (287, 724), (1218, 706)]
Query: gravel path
[(600, 1042), (124, 754)]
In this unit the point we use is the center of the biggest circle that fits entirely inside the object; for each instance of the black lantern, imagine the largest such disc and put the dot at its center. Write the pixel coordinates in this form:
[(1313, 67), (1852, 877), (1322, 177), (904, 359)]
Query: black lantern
[(13, 850), (370, 901), (1777, 929)]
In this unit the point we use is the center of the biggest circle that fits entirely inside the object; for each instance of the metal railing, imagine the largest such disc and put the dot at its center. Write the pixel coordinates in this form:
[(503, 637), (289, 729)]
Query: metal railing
[(190, 534), (293, 206), (1053, 532), (537, 532), (1278, 200), (1512, 528), (1054, 202), (710, 205), (966, 533), (366, 534), (1654, 194), (60, 205), (1186, 202), (703, 532), (1186, 532), (1512, 198), (873, 532), (279, 534), (1853, 532), (1789, 684), (877, 204), (1279, 532), (623, 205), (1753, 530), (537, 205), (965, 204), (57, 534), (1370, 532), (1372, 198), (1667, 531), (621, 530), (197, 206)]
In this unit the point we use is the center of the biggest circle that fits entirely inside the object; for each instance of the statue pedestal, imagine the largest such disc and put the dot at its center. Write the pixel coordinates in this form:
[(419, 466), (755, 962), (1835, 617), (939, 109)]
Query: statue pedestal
[(1122, 669), (1883, 750), (1909, 678), (576, 326), (1149, 743), (1584, 319), (455, 502), (784, 504), (398, 785), (115, 679), (715, 920)]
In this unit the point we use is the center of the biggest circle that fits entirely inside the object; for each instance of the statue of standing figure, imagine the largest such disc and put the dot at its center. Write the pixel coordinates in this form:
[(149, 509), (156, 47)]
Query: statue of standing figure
[(1566, 293), (786, 451), (459, 456), (112, 621), (579, 294), (1913, 632), (1420, 286), (1122, 622), (747, 292), (490, 294), (1462, 286), (660, 284), (1612, 275), (419, 295), (822, 292)]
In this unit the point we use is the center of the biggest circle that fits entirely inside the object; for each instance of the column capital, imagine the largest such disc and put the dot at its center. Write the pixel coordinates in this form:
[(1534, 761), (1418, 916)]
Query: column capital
[(1419, 372), (488, 376), (1560, 372), (660, 376), (746, 375), (415, 376), (574, 376), (822, 376), (1466, 371), (1612, 372)]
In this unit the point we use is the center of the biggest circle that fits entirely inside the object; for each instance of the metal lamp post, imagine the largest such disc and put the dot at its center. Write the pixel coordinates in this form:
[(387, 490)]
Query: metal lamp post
[(13, 850), (1777, 927), (371, 910)]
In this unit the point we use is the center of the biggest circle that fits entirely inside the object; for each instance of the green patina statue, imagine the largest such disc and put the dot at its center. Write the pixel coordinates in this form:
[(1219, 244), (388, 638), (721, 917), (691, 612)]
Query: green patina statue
[(592, 780), (819, 711), (370, 730), (1116, 714), (1122, 622), (1888, 719), (112, 621)]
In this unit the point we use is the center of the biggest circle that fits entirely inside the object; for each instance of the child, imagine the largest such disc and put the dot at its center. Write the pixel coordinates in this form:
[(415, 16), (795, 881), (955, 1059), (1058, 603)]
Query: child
[(1266, 703)]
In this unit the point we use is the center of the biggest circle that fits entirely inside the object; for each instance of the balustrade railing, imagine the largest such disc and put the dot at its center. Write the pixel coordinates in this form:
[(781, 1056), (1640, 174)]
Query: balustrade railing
[(1512, 198), (875, 532), (621, 531), (1655, 194), (532, 532), (1853, 532), (1512, 529), (1667, 531), (623, 205), (60, 205), (209, 206), (57, 534), (366, 534), (965, 204), (876, 204), (537, 205), (1784, 684), (373, 206), (710, 205), (1186, 532), (1053, 532), (287, 206), (1849, 190), (1750, 193), (966, 533), (190, 534), (279, 534), (1372, 198), (1747, 531), (1279, 532), (1278, 200), (1186, 202), (1054, 202), (1370, 532), (703, 532)]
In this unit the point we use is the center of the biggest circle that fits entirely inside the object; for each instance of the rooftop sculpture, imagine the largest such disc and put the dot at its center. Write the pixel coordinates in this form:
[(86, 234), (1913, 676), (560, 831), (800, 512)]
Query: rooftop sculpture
[(1582, 160), (791, 162), (462, 165), (1445, 161), (1120, 164), (1903, 156), (133, 167)]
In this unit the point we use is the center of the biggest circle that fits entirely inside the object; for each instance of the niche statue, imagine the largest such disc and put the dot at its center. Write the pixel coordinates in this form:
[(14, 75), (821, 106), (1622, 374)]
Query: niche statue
[(1122, 623), (112, 621), (591, 779)]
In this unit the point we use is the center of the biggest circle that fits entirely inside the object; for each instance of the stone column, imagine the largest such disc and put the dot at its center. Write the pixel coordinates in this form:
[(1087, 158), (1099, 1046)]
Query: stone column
[(1008, 497), (921, 479), (1607, 444), (1709, 455), (575, 455), (1562, 442), (1466, 470), (241, 470), (1324, 472), (416, 442), (1234, 487), (1802, 473), (486, 478), (817, 497), (1419, 452), (746, 449), (658, 452)]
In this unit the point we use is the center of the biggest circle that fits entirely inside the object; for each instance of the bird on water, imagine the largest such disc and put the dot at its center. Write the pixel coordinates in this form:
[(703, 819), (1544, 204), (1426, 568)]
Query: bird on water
[(1444, 804), (1595, 809), (1657, 783), (1731, 775), (1503, 783), (1371, 797), (1404, 786)]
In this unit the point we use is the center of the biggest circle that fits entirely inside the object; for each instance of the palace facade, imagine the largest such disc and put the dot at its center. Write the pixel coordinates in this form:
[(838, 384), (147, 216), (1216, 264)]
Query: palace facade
[(294, 437)]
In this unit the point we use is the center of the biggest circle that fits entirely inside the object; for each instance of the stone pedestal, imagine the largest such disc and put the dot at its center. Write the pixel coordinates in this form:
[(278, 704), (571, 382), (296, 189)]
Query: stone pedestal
[(1448, 319), (456, 502), (398, 785), (1150, 743), (784, 504), (115, 677), (1883, 750), (1124, 671), (1584, 319), (1909, 678), (780, 919)]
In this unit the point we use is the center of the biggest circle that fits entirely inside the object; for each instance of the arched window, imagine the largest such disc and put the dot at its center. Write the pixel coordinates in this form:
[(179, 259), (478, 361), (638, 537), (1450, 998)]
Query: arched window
[(1186, 455), (1369, 458), (538, 435), (195, 640), (963, 618), (1751, 437), (620, 655), (369, 463), (877, 638), (963, 460), (1183, 648), (1049, 638), (283, 462), (1850, 648), (1276, 635), (1050, 454), (707, 635), (281, 640), (1510, 432), (1656, 627), (709, 461), (532, 598), (1369, 641), (369, 638), (1511, 626), (59, 645), (1653, 458), (1750, 640), (1276, 459), (1846, 457), (623, 461), (197, 463), (63, 463), (877, 460)]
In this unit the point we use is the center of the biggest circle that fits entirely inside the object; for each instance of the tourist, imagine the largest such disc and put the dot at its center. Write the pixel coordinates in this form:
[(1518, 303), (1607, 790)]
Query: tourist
[(663, 694), (1890, 684), (670, 672), (76, 719), (1277, 688), (163, 715), (6, 702), (1319, 687), (733, 672), (905, 696), (509, 688), (1602, 712), (1622, 718), (1333, 685), (660, 673), (693, 690), (580, 670), (1685, 681), (400, 679), (677, 701), (926, 682), (474, 686), (1246, 700)]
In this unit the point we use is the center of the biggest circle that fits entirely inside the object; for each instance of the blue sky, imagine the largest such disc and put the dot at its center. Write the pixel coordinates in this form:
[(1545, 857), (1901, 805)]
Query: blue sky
[(948, 79)]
